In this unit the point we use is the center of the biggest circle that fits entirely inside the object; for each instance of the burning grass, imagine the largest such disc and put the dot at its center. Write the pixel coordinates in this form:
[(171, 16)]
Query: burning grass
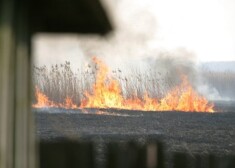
[(96, 88)]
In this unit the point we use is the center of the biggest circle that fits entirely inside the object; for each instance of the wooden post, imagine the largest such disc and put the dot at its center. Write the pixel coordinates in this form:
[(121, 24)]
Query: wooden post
[(180, 160), (17, 143), (67, 154), (160, 155), (126, 155), (7, 49)]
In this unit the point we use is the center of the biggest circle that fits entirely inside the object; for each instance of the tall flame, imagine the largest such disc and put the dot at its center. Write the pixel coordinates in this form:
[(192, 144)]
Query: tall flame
[(107, 93)]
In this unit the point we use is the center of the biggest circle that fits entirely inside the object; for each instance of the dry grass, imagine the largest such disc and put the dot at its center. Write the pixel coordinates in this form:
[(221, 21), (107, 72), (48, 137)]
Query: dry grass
[(59, 81), (223, 82)]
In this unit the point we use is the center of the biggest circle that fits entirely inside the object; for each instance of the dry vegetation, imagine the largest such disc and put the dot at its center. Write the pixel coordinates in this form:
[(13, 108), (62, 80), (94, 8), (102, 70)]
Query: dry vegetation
[(59, 81), (223, 82)]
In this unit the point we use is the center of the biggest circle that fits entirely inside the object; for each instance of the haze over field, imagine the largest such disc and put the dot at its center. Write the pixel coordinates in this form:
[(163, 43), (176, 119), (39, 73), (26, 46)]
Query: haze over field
[(168, 35)]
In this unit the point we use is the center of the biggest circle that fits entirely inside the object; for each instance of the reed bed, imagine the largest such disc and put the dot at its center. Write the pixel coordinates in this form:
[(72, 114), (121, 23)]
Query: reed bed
[(60, 81)]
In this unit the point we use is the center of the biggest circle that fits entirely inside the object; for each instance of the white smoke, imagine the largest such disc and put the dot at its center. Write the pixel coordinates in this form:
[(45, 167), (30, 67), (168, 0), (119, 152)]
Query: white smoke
[(135, 43), (210, 92)]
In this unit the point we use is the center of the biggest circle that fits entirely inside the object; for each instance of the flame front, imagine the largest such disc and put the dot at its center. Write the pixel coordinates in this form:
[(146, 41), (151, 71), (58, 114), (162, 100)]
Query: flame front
[(107, 93), (43, 101)]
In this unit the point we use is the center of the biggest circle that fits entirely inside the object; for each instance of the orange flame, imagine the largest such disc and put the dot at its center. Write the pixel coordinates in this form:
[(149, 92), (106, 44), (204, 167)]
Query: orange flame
[(43, 101), (107, 94), (69, 104)]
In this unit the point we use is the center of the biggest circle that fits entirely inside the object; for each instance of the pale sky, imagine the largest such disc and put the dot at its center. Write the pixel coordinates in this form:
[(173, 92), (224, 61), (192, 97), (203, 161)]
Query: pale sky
[(206, 27)]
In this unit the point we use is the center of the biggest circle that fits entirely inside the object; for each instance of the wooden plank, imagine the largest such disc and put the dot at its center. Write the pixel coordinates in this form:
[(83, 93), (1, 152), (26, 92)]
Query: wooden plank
[(126, 155), (16, 127), (160, 155), (66, 154), (73, 16), (24, 138), (180, 160), (7, 48)]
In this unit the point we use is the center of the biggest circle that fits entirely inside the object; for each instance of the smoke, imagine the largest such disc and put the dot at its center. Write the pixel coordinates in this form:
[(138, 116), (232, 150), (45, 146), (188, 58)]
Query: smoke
[(210, 92), (135, 45), (173, 64)]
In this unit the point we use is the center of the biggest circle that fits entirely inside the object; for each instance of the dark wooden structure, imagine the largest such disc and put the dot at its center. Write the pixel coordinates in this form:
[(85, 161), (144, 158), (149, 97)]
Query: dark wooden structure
[(83, 16), (128, 154), (19, 20)]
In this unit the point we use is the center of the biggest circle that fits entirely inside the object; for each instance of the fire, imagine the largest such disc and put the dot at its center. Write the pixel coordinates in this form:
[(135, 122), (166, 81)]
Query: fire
[(44, 101), (107, 93), (69, 104), (184, 98)]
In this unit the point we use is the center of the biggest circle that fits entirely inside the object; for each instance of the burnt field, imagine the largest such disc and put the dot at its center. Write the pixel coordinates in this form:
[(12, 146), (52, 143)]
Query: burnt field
[(179, 131)]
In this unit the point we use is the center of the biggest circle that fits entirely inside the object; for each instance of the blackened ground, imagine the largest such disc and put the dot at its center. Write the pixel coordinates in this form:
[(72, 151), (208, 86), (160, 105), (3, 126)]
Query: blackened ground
[(190, 132)]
